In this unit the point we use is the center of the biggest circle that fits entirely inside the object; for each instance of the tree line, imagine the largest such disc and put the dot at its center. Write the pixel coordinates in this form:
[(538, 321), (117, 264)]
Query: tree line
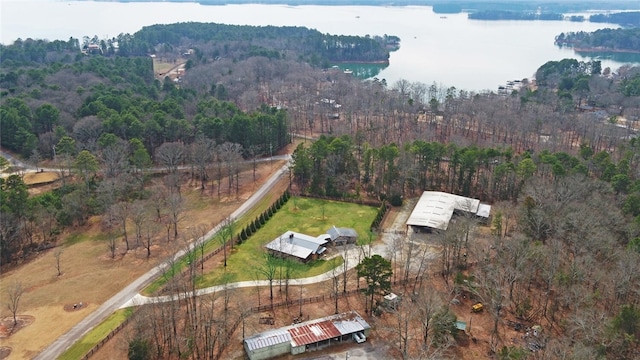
[(621, 39), (287, 41)]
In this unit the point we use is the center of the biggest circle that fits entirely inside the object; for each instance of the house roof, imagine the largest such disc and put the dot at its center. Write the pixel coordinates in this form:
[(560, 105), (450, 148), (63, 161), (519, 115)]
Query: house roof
[(434, 209), (336, 232), (298, 245)]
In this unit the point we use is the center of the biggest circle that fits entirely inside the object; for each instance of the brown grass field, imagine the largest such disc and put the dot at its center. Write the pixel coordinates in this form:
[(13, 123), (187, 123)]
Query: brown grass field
[(39, 178), (90, 276)]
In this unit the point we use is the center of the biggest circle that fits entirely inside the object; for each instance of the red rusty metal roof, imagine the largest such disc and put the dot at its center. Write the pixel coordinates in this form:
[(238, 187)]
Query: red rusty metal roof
[(313, 333)]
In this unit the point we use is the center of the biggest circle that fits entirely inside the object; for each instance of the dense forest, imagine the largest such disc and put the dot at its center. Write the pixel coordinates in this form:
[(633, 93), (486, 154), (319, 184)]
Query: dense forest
[(309, 45), (629, 18), (557, 155), (603, 39)]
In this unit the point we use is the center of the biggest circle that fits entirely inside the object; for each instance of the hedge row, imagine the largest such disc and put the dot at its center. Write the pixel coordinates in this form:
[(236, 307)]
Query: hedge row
[(259, 221), (382, 210)]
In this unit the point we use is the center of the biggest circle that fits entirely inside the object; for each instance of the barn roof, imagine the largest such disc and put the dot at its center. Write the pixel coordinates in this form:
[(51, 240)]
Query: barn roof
[(310, 332), (326, 328), (434, 209), (305, 334), (267, 338)]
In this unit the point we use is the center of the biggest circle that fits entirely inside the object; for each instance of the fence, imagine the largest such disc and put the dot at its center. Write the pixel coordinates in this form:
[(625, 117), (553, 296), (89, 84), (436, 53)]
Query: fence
[(310, 300), (111, 334)]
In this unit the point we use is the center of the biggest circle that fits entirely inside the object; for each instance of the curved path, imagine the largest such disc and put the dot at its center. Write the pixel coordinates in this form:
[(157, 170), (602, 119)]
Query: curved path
[(353, 258), (125, 295)]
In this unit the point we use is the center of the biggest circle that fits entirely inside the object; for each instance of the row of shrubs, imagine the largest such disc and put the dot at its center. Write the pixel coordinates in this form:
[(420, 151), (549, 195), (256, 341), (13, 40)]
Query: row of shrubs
[(381, 211), (259, 221)]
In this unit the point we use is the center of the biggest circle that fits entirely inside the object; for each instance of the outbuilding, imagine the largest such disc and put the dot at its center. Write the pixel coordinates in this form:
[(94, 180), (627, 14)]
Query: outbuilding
[(435, 209), (342, 236), (307, 336)]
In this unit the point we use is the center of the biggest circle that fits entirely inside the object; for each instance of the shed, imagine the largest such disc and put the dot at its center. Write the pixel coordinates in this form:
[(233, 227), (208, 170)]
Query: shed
[(342, 236), (309, 335), (391, 300), (268, 344)]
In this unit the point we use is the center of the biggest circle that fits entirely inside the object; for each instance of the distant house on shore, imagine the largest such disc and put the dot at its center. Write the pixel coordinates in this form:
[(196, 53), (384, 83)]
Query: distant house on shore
[(298, 246)]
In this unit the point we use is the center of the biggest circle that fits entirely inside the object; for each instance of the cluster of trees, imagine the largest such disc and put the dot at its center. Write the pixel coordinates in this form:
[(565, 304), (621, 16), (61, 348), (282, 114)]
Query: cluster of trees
[(572, 271), (630, 86), (145, 110), (553, 73), (627, 18), (292, 42), (189, 326), (114, 183), (336, 167), (24, 52), (622, 39)]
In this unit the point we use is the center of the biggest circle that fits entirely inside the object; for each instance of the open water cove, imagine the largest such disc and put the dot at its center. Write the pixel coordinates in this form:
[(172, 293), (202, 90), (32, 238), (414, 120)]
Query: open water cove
[(448, 50)]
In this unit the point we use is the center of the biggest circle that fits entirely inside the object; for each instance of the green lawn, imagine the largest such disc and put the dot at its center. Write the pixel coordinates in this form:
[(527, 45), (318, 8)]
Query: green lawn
[(304, 215), (81, 347)]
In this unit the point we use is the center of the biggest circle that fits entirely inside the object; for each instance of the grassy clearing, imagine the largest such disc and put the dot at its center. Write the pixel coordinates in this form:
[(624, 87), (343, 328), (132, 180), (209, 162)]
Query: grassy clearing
[(81, 347), (212, 244), (40, 178), (308, 216)]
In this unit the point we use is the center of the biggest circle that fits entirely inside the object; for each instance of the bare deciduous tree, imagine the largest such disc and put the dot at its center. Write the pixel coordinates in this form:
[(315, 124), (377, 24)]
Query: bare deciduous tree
[(120, 213), (14, 294), (171, 155), (57, 255), (176, 209), (231, 155), (201, 156)]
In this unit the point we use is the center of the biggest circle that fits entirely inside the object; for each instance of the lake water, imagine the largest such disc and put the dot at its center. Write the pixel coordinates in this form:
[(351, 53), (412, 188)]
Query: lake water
[(449, 50)]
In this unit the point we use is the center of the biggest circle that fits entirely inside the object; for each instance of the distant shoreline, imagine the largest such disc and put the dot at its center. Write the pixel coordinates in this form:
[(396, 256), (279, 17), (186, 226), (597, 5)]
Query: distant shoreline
[(604, 49)]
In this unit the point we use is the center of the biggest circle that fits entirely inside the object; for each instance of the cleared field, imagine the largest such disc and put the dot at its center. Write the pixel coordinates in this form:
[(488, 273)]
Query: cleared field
[(40, 178), (304, 215)]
